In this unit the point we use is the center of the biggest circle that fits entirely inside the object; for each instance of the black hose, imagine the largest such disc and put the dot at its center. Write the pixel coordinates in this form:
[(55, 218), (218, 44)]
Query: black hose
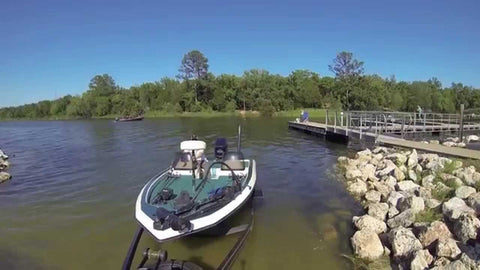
[(204, 180)]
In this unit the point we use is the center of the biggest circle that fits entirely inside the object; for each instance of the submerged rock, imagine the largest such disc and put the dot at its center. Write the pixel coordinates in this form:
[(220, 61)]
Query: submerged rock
[(4, 176), (357, 188), (367, 245), (353, 173), (3, 155)]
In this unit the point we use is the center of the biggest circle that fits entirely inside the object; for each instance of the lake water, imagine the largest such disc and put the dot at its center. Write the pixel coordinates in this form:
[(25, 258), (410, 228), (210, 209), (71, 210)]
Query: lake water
[(70, 204)]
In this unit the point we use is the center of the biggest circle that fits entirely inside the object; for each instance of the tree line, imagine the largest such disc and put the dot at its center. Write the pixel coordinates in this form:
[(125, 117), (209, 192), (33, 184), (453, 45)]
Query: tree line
[(195, 89)]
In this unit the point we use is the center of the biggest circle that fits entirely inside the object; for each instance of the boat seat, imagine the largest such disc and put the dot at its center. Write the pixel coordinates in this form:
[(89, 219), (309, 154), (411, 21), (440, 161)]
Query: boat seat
[(183, 161), (234, 160), (236, 165)]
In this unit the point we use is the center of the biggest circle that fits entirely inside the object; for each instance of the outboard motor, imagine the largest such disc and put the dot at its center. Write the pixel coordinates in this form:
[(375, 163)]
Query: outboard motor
[(221, 147)]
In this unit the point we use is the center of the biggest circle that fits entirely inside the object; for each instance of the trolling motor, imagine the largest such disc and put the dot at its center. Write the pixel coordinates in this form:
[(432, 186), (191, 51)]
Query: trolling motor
[(221, 147)]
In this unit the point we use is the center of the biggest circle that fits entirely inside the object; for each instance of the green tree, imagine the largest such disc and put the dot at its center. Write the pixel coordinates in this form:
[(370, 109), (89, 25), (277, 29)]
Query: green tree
[(194, 66), (102, 85)]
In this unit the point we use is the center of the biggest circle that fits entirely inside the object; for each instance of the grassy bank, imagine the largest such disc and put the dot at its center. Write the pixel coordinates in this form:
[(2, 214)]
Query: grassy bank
[(314, 114)]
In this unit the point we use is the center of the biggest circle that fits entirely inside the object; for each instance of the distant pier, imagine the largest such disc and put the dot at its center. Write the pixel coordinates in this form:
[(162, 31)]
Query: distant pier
[(391, 128)]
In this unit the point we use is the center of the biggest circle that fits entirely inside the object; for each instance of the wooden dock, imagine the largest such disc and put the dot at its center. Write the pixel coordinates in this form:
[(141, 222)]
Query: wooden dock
[(373, 134)]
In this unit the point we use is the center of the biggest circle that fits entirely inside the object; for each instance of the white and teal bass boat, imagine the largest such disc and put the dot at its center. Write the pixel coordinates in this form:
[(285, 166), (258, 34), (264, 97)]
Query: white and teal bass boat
[(195, 193)]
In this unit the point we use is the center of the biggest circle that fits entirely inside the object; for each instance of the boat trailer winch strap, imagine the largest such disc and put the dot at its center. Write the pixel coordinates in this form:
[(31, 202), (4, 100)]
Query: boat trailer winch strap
[(127, 263), (232, 255)]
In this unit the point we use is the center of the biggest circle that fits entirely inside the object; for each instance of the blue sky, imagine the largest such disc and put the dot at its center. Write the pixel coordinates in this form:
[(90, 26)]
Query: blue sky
[(52, 48)]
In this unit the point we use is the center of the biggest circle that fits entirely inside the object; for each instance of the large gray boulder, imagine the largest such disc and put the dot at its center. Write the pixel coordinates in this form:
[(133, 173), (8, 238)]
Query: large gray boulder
[(404, 219), (448, 248), (412, 175), (474, 201), (394, 197), (352, 173), (398, 158), (388, 169), (4, 164), (367, 245), (367, 222), (383, 188), (412, 159), (381, 149), (471, 257), (3, 155), (427, 181), (436, 231), (4, 176), (403, 242), (408, 186), (433, 203), (464, 191), (421, 260), (466, 227), (454, 207), (391, 182), (392, 212), (368, 173), (399, 174), (357, 188), (378, 210), (416, 204), (373, 196)]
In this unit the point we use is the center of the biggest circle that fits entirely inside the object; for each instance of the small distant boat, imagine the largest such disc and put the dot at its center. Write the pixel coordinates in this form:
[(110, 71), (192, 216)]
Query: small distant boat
[(129, 119)]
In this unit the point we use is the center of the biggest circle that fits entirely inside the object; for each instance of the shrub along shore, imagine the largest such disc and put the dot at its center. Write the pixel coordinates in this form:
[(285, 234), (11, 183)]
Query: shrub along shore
[(421, 210), (313, 112), (4, 164)]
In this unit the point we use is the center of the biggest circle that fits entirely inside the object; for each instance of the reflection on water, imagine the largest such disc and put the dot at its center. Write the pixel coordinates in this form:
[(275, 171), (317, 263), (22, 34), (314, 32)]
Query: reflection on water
[(70, 204)]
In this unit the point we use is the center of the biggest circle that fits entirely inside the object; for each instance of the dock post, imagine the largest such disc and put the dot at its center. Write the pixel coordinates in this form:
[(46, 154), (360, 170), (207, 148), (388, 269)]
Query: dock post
[(376, 124), (414, 123), (326, 118), (360, 126), (347, 118), (335, 123), (461, 122), (402, 132), (424, 122)]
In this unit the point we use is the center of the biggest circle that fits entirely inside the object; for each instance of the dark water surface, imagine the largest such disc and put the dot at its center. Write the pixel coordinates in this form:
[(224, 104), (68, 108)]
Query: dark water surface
[(70, 203)]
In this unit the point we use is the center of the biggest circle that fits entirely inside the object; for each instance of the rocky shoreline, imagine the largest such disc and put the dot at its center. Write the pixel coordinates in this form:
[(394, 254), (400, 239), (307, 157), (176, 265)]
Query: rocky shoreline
[(421, 210), (455, 141), (4, 165)]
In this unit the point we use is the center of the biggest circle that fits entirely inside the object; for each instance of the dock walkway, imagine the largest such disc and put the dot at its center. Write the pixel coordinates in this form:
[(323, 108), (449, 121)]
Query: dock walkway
[(374, 135)]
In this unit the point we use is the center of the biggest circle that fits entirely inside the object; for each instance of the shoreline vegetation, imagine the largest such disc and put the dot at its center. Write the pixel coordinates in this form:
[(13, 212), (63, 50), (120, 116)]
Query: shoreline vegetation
[(313, 113), (197, 92)]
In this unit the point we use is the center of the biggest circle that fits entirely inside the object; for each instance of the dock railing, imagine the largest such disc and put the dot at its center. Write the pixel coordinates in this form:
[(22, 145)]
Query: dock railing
[(401, 123)]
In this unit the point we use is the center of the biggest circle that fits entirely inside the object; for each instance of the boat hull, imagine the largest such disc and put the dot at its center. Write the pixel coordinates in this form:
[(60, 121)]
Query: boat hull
[(140, 118), (201, 223)]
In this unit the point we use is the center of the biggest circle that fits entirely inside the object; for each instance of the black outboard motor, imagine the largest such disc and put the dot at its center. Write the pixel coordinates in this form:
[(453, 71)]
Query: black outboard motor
[(221, 147)]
